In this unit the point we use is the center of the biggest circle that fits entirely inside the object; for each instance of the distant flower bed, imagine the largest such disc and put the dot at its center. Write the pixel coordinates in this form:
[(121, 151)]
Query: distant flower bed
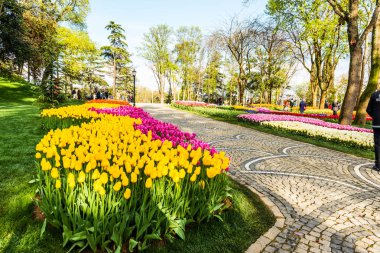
[(270, 117), (123, 177), (194, 103), (345, 137), (109, 101), (269, 106), (318, 111)]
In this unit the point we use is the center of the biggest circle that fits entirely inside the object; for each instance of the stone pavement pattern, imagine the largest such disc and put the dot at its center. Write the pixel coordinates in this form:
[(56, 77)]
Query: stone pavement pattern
[(330, 200)]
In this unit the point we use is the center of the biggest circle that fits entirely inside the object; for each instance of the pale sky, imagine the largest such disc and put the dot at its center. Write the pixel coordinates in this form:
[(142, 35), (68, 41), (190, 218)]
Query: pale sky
[(137, 16)]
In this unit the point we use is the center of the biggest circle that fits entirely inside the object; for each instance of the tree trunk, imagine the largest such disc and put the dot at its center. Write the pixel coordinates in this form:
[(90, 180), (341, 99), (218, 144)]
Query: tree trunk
[(356, 58), (114, 79), (322, 99), (365, 57), (270, 96), (373, 81), (313, 85), (162, 90), (47, 72)]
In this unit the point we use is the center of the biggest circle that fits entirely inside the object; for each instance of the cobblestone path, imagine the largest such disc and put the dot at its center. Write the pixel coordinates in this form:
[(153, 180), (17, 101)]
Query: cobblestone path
[(330, 201)]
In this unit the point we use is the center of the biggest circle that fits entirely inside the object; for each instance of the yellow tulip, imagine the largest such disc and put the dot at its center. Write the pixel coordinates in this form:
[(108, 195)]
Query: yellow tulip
[(71, 180), (54, 173), (202, 184), (104, 178), (127, 193), (95, 174), (38, 155), (81, 177), (102, 191), (117, 186), (182, 173), (148, 183), (133, 177), (58, 184)]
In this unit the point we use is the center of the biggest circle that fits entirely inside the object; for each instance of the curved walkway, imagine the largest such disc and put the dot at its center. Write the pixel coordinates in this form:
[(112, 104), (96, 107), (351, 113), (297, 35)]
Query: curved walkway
[(330, 200)]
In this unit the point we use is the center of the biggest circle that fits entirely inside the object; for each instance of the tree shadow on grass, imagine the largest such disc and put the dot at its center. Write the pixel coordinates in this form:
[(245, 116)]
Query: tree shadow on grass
[(14, 93)]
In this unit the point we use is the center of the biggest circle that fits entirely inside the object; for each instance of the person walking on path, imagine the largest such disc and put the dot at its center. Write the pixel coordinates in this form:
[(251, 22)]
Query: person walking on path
[(373, 109), (335, 107), (302, 106)]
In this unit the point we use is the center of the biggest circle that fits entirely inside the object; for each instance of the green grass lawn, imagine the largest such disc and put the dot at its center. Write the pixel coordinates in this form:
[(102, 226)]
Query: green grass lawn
[(20, 131), (230, 116)]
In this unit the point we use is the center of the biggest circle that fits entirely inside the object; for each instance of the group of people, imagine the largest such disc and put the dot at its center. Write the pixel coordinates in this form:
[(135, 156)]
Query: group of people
[(289, 104), (76, 94), (96, 94), (101, 95)]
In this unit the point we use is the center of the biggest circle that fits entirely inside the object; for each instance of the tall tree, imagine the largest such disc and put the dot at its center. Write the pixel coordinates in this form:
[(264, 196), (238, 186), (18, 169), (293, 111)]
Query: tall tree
[(116, 53), (187, 49), (155, 49), (272, 60), (237, 38), (374, 77), (349, 13), (213, 75)]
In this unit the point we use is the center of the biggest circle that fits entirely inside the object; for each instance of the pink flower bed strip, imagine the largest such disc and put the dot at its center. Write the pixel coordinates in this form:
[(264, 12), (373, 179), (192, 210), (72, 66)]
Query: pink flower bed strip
[(260, 117)]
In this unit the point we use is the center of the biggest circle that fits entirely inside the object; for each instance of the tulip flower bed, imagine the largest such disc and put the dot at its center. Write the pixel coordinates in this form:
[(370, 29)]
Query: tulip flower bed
[(194, 103), (345, 137), (348, 135), (108, 101), (257, 118), (327, 112), (123, 177), (269, 106)]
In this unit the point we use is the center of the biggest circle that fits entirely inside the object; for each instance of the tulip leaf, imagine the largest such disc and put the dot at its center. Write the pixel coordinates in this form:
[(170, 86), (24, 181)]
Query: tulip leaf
[(43, 228), (132, 244)]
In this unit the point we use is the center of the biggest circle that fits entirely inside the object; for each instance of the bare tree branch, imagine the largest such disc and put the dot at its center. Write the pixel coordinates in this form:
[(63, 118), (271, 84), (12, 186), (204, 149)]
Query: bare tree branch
[(338, 9)]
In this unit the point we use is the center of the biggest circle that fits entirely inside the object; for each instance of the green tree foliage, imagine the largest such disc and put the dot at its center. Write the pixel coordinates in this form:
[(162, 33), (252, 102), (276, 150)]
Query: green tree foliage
[(272, 62), (13, 48), (187, 49), (77, 53), (155, 49), (116, 53), (315, 33), (213, 76)]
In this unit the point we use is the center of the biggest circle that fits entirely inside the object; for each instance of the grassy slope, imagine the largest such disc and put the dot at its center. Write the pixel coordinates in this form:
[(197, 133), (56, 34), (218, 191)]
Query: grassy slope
[(230, 116), (20, 131)]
